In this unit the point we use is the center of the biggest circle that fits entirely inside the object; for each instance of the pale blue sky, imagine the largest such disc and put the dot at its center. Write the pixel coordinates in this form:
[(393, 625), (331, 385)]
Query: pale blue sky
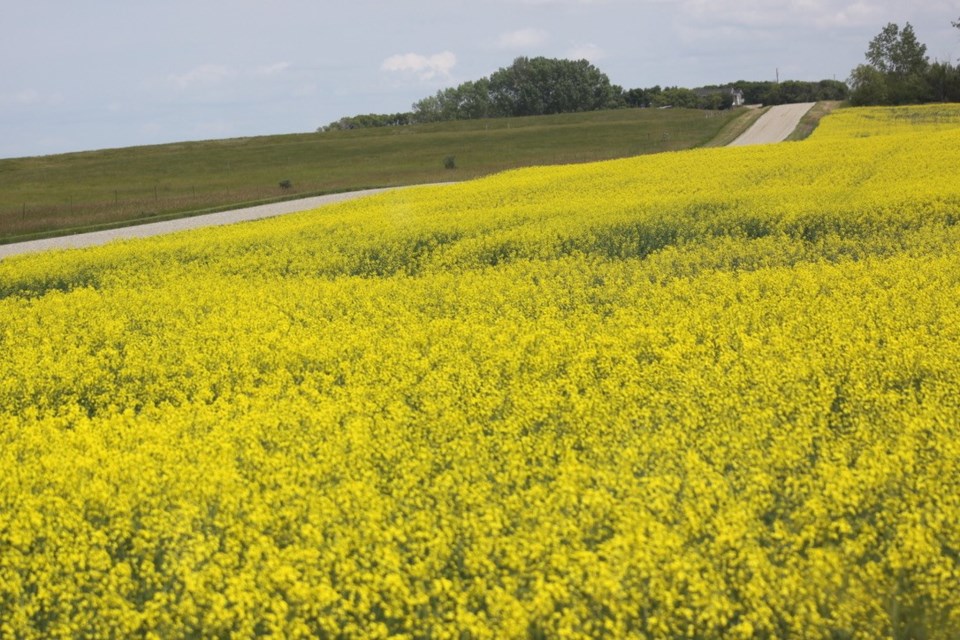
[(89, 74)]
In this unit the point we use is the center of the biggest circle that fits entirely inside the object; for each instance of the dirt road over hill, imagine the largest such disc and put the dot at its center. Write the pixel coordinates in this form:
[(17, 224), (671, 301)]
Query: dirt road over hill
[(775, 125)]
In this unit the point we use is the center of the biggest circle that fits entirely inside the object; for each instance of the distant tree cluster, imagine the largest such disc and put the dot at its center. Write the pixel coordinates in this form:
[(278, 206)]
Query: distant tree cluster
[(792, 91), (721, 97), (543, 86), (679, 97), (371, 120), (528, 87), (469, 101), (898, 71)]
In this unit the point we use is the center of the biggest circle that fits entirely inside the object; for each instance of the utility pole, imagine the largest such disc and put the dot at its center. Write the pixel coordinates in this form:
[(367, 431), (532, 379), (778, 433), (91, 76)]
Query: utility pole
[(778, 75)]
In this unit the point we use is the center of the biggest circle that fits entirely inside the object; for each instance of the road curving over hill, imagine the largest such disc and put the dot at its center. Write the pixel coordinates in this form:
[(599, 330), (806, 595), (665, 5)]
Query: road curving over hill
[(774, 126)]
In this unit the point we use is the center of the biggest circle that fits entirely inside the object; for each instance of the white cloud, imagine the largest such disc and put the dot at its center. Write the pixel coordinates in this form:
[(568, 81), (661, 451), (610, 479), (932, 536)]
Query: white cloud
[(788, 13), (204, 75), (27, 97), (851, 14), (425, 67), (213, 79), (271, 69), (590, 52), (522, 39)]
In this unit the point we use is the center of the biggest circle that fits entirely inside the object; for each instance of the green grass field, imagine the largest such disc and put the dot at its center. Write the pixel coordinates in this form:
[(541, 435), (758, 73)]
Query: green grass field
[(59, 194)]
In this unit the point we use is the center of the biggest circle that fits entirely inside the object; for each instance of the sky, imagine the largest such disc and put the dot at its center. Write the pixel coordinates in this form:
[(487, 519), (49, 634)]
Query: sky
[(91, 74)]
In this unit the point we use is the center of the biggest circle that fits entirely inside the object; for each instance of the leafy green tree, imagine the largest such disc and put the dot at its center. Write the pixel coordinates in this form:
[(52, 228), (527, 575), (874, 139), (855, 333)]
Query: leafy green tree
[(475, 99), (618, 98), (831, 90), (754, 92), (534, 86), (901, 64), (678, 97), (869, 86), (897, 51), (369, 120), (470, 100), (639, 97), (428, 109), (539, 86), (716, 101), (944, 81)]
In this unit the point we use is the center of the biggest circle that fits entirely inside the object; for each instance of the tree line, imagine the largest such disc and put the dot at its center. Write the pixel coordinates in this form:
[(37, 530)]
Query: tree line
[(544, 86), (898, 71), (721, 96), (530, 86)]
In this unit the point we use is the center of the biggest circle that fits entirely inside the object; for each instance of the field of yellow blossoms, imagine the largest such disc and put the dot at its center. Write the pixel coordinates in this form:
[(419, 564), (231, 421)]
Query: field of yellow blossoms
[(706, 394)]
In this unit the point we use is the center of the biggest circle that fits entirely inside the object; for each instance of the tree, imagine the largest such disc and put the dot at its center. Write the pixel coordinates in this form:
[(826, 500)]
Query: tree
[(832, 90), (469, 101), (369, 120), (869, 86), (897, 51), (427, 110), (944, 81), (638, 97), (754, 92), (475, 99), (618, 97), (540, 86), (896, 69), (677, 97)]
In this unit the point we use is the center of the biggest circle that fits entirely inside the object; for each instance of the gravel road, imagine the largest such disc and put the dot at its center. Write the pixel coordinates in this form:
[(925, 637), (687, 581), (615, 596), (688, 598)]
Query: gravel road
[(183, 224), (775, 125)]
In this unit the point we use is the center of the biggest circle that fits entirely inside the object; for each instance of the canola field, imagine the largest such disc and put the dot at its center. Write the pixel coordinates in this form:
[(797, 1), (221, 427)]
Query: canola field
[(705, 394)]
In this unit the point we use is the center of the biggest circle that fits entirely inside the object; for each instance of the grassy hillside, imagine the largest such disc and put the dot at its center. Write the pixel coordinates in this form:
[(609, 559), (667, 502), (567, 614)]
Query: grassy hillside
[(103, 187), (709, 394)]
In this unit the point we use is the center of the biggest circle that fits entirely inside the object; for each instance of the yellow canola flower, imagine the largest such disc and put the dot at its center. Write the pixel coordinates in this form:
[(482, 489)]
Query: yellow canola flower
[(707, 394)]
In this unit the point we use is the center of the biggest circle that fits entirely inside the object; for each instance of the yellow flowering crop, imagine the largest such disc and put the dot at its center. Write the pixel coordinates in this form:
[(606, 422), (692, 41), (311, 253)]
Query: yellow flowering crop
[(707, 394)]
